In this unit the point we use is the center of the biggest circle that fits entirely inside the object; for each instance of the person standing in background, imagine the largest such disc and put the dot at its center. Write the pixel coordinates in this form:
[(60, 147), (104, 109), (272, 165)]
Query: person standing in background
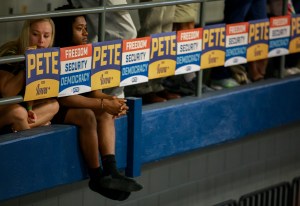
[(118, 25), (292, 63), (184, 18), (236, 11), (153, 21)]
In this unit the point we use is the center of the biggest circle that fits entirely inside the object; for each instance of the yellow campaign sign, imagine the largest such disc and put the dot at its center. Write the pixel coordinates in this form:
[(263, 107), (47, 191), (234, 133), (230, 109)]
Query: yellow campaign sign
[(257, 52), (213, 46), (162, 68), (42, 73), (41, 89), (258, 40), (106, 79), (212, 58), (294, 46), (162, 61), (106, 64)]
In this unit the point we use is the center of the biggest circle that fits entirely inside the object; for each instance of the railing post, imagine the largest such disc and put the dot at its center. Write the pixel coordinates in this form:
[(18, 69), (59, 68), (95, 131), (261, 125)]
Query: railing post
[(134, 117), (282, 58), (101, 22), (200, 73)]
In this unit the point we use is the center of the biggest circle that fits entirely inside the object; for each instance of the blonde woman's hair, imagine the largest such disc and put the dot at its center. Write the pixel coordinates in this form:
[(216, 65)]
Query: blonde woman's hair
[(24, 37), (19, 46)]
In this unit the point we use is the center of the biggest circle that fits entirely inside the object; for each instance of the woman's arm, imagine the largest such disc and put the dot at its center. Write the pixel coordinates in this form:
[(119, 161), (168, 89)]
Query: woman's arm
[(108, 101), (112, 106), (79, 101), (100, 95), (11, 85)]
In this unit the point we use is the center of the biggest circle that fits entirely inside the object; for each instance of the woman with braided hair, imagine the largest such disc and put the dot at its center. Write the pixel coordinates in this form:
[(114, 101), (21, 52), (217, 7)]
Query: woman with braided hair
[(94, 113)]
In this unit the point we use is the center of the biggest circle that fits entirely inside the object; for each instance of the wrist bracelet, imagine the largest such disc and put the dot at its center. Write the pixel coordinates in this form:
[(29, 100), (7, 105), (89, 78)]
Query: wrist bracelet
[(101, 102)]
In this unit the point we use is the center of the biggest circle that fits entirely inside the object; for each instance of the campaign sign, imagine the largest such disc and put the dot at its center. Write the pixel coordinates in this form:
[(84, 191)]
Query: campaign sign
[(135, 61), (236, 43), (279, 37), (189, 47), (106, 64), (75, 70), (295, 34), (42, 73), (258, 40), (162, 55), (213, 46)]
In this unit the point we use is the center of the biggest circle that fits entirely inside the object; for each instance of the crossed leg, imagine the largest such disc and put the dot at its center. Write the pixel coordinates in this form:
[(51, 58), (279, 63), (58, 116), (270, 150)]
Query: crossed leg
[(14, 115)]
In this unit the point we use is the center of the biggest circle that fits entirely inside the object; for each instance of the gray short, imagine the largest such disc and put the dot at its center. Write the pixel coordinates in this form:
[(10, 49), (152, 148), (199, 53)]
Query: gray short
[(185, 13)]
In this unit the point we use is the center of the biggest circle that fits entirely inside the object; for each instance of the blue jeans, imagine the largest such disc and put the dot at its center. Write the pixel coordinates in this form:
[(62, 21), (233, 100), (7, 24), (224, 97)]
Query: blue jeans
[(239, 11), (244, 10), (296, 5)]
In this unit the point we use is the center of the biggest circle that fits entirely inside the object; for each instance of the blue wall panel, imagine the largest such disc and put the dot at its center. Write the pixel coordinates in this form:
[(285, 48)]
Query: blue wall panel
[(46, 157), (121, 142), (207, 121), (33, 159)]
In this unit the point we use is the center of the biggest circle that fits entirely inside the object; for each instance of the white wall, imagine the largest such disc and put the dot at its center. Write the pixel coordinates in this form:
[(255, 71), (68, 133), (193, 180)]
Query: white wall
[(17, 7)]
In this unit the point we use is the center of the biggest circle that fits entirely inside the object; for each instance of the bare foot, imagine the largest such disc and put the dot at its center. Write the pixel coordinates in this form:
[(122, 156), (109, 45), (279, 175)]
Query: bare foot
[(47, 124)]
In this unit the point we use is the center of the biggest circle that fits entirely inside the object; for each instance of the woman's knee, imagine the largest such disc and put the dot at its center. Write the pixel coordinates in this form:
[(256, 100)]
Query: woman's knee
[(104, 116), (14, 115), (53, 106), (18, 112), (17, 117), (81, 117)]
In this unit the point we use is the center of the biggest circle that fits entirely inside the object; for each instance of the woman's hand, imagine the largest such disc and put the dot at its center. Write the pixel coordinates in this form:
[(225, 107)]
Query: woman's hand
[(32, 117), (115, 106)]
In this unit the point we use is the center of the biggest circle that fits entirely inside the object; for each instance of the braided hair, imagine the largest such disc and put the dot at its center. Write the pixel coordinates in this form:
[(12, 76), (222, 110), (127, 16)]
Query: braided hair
[(63, 27)]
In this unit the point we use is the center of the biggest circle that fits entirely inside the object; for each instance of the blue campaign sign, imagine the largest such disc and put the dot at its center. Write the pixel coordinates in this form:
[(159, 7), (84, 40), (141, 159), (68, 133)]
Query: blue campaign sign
[(258, 39), (42, 73), (162, 61), (106, 64), (213, 46), (294, 46)]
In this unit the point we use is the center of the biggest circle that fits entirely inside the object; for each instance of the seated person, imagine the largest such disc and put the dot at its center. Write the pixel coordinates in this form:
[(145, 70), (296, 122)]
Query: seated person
[(94, 113), (38, 33)]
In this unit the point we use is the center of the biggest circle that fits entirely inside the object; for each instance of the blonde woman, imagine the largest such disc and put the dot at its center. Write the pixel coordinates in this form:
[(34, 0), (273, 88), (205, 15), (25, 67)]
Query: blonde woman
[(37, 33)]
